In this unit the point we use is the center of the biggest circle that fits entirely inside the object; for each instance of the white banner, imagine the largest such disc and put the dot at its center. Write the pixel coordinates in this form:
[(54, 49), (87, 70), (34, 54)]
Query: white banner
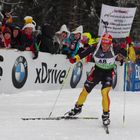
[(19, 72), (119, 20)]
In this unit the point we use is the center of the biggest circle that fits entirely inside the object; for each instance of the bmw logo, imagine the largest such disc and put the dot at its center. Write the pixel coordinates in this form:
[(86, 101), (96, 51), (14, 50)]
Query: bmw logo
[(19, 72), (1, 58), (76, 74)]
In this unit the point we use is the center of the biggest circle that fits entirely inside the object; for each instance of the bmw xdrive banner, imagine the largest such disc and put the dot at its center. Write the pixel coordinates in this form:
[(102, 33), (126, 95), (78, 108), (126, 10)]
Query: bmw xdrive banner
[(20, 72)]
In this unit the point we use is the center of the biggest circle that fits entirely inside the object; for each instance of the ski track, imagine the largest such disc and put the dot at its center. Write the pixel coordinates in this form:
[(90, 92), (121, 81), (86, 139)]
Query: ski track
[(39, 104)]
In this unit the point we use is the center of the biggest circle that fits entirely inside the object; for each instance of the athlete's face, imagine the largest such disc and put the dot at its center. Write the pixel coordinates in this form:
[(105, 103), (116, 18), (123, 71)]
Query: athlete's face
[(105, 47)]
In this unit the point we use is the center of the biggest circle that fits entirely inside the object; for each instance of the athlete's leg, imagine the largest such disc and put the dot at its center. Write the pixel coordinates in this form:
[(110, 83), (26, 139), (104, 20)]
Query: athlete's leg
[(88, 86), (106, 87), (105, 99)]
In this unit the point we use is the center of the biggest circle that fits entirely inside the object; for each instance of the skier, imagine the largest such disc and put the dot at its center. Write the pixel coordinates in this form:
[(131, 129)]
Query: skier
[(104, 59)]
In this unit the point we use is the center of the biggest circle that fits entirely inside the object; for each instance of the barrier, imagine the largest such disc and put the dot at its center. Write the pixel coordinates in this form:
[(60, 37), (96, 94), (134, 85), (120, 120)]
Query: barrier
[(19, 72), (133, 77)]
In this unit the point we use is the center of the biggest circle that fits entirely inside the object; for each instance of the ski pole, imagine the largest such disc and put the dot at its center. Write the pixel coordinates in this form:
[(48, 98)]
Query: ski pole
[(125, 84), (59, 92)]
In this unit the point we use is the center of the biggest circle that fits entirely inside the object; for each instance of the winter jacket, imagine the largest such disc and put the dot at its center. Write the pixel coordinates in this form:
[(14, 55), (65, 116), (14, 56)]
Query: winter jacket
[(28, 41)]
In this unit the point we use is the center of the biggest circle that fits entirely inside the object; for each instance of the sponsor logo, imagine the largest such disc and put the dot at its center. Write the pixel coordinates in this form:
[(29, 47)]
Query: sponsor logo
[(53, 76), (1, 72), (76, 74), (19, 72), (137, 69), (1, 58)]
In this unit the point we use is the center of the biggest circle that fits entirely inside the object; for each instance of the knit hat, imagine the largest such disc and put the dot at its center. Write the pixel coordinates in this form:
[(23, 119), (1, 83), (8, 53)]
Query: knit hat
[(78, 30), (29, 19), (16, 27), (63, 29), (107, 39), (86, 38), (29, 25), (29, 22)]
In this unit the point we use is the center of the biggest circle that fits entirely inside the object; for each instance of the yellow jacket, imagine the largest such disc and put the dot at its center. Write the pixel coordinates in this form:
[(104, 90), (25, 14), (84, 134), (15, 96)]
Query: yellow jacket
[(131, 53)]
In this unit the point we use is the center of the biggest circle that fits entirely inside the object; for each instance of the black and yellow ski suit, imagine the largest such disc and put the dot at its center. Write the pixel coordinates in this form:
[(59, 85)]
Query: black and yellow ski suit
[(101, 72)]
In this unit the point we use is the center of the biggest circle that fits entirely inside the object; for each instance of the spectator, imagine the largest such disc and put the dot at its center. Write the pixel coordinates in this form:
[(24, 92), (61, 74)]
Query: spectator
[(131, 51), (45, 39), (87, 41), (59, 38), (7, 19), (75, 45), (5, 38), (28, 41), (73, 42), (15, 39)]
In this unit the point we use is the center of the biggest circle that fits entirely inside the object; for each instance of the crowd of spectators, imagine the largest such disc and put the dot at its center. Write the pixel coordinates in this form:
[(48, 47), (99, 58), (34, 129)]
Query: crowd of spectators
[(27, 38), (17, 37)]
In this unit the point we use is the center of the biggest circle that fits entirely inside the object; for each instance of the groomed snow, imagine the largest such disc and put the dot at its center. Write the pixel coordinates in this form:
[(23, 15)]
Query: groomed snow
[(39, 104)]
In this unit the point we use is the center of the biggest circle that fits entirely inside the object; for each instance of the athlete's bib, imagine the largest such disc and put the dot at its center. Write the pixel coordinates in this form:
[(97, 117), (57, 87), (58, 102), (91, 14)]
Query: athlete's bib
[(104, 60), (105, 63)]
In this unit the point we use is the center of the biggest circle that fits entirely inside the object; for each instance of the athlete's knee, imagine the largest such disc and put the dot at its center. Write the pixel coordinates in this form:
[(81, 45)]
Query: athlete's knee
[(105, 90), (88, 86), (108, 82)]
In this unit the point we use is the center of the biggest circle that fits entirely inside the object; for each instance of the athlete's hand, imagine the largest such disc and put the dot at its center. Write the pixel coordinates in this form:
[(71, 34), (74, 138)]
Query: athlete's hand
[(72, 60)]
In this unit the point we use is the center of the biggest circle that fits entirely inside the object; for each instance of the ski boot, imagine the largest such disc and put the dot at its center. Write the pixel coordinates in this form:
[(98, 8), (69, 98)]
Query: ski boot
[(75, 111), (105, 118)]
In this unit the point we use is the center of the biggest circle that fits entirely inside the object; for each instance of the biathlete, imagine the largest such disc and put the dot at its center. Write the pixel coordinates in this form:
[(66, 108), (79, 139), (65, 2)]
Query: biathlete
[(104, 57)]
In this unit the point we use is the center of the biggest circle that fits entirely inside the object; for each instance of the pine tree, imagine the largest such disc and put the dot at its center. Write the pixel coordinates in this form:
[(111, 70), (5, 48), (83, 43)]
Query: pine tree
[(72, 12)]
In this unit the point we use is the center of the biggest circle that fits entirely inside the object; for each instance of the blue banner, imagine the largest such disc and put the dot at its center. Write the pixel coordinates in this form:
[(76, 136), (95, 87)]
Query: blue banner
[(132, 77)]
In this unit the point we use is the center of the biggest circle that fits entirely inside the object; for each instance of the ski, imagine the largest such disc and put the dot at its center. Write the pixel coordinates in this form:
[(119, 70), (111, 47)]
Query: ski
[(106, 129), (59, 118)]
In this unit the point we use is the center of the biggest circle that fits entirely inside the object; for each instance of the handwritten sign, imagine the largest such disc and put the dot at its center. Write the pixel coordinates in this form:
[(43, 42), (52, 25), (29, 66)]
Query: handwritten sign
[(119, 20)]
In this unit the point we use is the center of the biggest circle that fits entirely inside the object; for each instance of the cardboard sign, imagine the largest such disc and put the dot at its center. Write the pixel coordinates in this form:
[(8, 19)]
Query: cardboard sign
[(119, 20)]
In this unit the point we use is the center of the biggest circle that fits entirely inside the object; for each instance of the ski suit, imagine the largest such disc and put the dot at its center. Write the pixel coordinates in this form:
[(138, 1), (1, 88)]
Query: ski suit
[(101, 72)]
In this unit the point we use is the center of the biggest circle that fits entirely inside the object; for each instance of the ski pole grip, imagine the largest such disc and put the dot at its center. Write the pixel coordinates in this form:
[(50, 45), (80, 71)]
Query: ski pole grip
[(105, 22)]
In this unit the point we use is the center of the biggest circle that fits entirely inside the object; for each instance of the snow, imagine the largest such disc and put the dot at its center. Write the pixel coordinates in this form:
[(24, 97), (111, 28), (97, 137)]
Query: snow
[(39, 104)]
